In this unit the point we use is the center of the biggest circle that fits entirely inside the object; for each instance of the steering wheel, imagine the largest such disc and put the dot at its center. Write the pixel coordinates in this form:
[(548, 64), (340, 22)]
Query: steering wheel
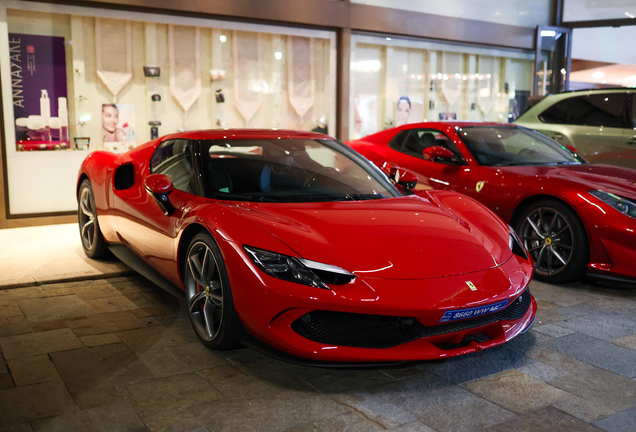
[(526, 152), (321, 172)]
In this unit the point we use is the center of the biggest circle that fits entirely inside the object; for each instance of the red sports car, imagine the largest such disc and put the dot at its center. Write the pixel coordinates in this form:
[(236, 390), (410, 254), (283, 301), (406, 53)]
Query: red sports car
[(294, 241), (573, 217)]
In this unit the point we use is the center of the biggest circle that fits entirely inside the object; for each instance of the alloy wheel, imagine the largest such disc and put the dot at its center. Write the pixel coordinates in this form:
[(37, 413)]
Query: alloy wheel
[(548, 237), (204, 291), (87, 218)]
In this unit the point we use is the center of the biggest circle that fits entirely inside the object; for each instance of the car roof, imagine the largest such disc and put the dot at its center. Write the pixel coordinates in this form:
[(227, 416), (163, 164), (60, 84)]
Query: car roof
[(596, 90), (452, 124), (236, 134)]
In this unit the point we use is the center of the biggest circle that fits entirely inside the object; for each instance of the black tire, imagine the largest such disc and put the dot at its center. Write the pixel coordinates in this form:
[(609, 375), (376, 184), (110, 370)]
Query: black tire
[(560, 239), (210, 304), (91, 236)]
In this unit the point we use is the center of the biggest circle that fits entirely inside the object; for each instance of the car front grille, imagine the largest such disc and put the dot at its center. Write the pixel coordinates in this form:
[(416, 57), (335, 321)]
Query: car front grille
[(381, 331)]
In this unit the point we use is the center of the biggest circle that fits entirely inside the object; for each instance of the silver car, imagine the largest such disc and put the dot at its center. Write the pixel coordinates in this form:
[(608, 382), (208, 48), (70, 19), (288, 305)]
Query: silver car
[(599, 124)]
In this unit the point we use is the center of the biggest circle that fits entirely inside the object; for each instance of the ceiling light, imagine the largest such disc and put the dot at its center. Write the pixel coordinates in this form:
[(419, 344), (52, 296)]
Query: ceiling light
[(548, 33), (630, 15), (598, 74), (278, 55), (222, 38)]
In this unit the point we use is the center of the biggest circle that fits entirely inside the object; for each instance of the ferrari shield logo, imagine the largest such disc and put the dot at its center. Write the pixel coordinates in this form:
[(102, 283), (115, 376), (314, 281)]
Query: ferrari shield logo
[(479, 186), (471, 286)]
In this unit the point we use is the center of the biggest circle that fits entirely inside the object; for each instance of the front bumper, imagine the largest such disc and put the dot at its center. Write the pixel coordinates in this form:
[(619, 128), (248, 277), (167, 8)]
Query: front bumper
[(268, 308), (612, 241)]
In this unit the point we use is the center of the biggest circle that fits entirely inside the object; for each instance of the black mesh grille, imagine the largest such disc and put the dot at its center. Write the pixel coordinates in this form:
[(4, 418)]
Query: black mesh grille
[(380, 331)]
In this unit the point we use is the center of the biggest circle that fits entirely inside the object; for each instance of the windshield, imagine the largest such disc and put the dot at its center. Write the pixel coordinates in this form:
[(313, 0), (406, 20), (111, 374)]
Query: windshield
[(289, 170), (508, 146)]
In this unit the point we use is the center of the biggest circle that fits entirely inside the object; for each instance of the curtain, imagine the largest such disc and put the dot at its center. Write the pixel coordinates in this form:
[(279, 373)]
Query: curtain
[(301, 74), (248, 73), (113, 51), (185, 64)]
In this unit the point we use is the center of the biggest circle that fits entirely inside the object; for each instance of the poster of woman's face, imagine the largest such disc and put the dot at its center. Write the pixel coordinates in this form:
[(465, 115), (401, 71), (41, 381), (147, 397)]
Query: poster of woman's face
[(402, 111), (408, 110), (118, 125)]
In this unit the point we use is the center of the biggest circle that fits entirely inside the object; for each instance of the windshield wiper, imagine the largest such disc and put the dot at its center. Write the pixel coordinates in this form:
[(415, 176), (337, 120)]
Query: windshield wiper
[(239, 197), (361, 197), (518, 164)]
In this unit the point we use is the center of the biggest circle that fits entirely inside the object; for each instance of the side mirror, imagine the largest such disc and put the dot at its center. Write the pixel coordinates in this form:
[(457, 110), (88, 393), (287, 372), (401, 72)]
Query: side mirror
[(572, 149), (402, 177), (386, 169), (160, 186), (434, 153)]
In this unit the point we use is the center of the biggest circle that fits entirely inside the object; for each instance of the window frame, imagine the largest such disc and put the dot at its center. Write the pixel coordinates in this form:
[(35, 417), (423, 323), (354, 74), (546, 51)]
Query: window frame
[(625, 112), (458, 159), (331, 143), (193, 145)]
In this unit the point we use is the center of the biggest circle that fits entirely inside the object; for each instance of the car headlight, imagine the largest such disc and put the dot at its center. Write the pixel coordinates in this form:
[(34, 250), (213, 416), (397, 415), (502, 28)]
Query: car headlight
[(516, 245), (621, 204), (298, 270)]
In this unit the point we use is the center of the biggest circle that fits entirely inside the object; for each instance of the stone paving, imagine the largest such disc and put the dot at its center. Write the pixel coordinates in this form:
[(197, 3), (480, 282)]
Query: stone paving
[(120, 355)]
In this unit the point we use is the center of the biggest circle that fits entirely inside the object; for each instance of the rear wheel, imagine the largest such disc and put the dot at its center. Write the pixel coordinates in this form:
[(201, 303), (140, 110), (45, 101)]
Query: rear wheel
[(555, 238), (93, 241), (209, 296)]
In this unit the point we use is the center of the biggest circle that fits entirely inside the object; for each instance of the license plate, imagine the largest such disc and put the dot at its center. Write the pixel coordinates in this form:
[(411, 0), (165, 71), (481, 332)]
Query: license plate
[(460, 314)]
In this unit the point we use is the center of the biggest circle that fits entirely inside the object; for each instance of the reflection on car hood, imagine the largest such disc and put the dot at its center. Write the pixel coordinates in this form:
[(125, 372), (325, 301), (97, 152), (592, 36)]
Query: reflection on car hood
[(395, 238), (621, 181)]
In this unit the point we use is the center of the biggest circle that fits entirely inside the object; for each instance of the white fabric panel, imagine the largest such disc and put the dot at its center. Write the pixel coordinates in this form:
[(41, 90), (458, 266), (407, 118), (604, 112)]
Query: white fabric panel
[(248, 73), (301, 78), (184, 46), (113, 51)]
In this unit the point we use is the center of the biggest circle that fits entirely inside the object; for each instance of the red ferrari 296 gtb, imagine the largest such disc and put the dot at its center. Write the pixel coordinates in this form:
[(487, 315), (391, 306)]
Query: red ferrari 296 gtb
[(573, 217), (294, 241)]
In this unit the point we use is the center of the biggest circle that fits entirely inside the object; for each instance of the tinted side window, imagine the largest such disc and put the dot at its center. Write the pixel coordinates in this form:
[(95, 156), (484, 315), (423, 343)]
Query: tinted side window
[(174, 159), (595, 110), (413, 142), (398, 140)]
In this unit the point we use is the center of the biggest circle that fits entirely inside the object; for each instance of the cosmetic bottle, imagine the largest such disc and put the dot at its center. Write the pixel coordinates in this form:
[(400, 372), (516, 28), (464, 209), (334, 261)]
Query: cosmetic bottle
[(38, 131), (62, 113), (54, 127), (45, 113)]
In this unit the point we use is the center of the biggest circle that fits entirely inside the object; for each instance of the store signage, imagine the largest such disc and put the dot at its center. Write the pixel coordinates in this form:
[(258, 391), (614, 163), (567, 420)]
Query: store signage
[(39, 91)]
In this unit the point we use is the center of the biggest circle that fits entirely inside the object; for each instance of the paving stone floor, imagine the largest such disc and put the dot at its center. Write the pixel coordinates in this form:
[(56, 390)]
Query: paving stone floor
[(120, 355)]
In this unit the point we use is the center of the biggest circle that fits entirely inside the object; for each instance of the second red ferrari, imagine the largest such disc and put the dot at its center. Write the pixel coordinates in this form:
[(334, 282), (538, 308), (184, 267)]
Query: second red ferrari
[(573, 217)]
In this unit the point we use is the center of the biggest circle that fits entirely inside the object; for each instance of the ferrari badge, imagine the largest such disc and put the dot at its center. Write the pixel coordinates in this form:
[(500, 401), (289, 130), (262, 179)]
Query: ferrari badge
[(471, 286), (479, 186)]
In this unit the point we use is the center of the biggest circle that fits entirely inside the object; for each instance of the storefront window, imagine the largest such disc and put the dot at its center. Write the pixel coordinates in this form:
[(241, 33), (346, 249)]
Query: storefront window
[(524, 13), (591, 10), (394, 82), (85, 79)]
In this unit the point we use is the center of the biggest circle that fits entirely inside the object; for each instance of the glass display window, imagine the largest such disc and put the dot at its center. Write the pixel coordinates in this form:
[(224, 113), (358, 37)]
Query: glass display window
[(525, 13), (586, 10), (394, 82), (84, 79)]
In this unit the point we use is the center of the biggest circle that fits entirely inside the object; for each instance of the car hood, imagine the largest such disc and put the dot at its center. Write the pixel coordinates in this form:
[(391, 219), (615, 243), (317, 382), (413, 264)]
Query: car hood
[(395, 238), (621, 181)]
